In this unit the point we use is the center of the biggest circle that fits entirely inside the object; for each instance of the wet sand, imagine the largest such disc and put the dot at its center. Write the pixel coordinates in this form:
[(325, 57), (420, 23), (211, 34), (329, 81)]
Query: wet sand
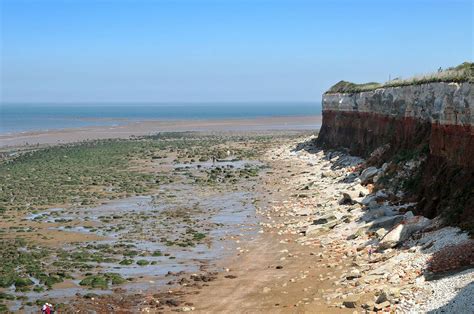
[(143, 128)]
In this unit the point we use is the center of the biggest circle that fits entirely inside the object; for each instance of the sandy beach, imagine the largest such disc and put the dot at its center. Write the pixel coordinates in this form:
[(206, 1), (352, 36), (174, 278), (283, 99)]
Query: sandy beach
[(142, 128)]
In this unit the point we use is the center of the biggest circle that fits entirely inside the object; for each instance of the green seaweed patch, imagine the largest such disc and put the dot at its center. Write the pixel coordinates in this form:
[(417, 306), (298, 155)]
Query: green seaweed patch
[(143, 262), (102, 281)]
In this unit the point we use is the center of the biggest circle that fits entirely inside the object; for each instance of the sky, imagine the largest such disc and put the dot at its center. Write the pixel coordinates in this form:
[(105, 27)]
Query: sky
[(222, 50)]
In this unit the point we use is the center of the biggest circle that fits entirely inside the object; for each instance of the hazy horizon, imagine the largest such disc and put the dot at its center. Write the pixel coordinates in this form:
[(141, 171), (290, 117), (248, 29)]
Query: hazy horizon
[(223, 52)]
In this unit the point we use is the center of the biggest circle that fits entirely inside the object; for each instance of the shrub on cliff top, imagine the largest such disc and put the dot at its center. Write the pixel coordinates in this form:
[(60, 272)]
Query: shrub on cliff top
[(461, 73)]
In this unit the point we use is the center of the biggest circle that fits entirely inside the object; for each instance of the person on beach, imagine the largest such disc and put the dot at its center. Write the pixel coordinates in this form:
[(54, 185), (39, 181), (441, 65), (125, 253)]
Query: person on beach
[(47, 308)]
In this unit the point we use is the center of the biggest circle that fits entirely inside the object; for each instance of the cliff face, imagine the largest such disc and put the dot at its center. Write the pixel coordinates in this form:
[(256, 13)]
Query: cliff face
[(436, 118)]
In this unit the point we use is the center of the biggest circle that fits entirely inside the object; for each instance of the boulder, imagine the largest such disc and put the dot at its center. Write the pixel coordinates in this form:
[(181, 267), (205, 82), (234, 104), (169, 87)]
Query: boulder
[(403, 231), (367, 174)]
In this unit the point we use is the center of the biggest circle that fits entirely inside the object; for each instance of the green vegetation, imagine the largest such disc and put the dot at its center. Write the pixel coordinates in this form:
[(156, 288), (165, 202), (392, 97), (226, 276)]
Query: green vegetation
[(142, 262), (102, 281), (21, 262), (82, 173), (461, 73), (88, 172)]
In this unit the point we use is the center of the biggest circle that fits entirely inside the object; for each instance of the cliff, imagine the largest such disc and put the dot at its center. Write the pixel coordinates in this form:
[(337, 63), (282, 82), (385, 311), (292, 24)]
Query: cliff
[(432, 122)]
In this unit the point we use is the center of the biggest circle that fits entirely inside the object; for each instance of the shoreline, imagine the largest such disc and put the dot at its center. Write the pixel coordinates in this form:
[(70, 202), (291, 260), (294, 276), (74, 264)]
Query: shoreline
[(150, 127)]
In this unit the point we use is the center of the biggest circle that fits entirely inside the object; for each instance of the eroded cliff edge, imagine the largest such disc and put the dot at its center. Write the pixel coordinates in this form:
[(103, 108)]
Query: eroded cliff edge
[(428, 123)]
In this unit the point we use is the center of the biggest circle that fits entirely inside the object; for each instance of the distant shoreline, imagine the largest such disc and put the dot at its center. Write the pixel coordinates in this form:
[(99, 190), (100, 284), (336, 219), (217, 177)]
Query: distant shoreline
[(149, 127)]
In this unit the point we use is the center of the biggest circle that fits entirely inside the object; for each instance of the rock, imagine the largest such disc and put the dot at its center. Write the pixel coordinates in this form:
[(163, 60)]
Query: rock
[(381, 306), (380, 233), (403, 231), (313, 229), (331, 224), (367, 174), (304, 212), (346, 199), (358, 233), (172, 302), (346, 218), (351, 302), (367, 199), (266, 290), (324, 220), (381, 194), (187, 309), (383, 297), (328, 174), (355, 273), (386, 222), (381, 211), (368, 305)]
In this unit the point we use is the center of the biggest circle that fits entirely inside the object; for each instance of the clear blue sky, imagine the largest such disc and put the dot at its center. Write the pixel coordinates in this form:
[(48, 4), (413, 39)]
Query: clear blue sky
[(192, 50)]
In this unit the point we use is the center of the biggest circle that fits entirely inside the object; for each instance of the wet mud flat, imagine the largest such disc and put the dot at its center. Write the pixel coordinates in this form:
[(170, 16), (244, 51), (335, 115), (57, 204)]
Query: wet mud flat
[(161, 216)]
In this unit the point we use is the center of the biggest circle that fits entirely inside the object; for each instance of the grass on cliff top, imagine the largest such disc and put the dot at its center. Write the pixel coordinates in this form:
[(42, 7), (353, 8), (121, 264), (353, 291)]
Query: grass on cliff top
[(461, 73)]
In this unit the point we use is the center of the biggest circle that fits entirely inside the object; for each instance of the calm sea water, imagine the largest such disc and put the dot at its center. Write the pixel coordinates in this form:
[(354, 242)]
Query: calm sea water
[(30, 117)]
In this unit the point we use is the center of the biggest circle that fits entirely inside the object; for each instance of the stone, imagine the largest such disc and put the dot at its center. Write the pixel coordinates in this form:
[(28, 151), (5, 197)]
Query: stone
[(304, 212), (312, 230), (382, 297), (380, 233), (187, 309), (358, 233), (381, 211), (346, 199), (366, 200), (403, 231), (381, 306), (355, 273), (346, 218), (368, 305), (386, 222), (324, 220), (381, 194), (351, 302), (331, 224), (367, 174), (328, 174)]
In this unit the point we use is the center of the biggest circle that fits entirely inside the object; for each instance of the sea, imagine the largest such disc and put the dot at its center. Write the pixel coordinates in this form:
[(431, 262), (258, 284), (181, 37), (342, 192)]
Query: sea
[(16, 117)]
